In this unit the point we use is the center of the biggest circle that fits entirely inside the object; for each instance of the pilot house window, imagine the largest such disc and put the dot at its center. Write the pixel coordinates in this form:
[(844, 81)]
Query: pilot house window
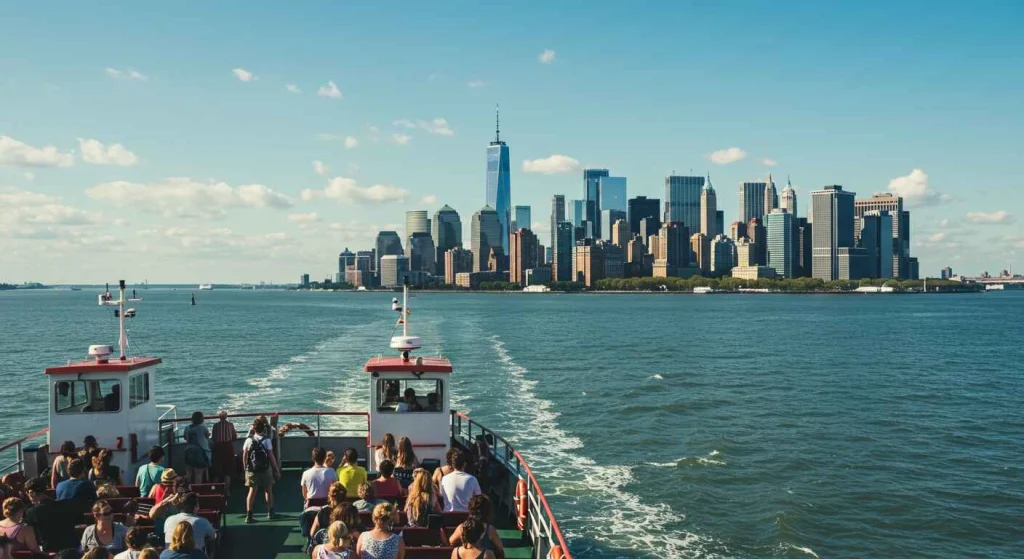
[(87, 396), (138, 390), (404, 396)]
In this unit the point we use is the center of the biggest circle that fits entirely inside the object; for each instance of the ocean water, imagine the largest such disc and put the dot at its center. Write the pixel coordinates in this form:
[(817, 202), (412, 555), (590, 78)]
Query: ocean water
[(659, 425)]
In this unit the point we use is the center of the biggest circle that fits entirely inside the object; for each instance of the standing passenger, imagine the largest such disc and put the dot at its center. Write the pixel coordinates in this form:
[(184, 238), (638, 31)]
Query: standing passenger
[(260, 469), (150, 474), (224, 460), (197, 451)]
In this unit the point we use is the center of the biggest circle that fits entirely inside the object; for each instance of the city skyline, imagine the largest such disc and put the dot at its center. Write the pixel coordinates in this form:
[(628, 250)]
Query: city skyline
[(265, 157)]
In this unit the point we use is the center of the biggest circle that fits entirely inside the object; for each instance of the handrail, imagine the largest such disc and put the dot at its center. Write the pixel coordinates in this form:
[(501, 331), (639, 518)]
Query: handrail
[(567, 554), (275, 414), (26, 438)]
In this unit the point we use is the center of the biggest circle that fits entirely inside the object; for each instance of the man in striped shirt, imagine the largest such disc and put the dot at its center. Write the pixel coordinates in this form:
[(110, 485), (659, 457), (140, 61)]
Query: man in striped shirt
[(224, 461)]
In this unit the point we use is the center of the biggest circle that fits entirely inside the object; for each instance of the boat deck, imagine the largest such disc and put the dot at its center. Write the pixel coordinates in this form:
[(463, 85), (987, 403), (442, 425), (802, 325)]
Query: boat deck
[(281, 538)]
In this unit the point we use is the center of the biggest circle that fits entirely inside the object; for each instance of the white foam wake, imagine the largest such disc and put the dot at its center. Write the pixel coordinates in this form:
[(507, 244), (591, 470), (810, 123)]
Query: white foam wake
[(619, 519), (656, 376)]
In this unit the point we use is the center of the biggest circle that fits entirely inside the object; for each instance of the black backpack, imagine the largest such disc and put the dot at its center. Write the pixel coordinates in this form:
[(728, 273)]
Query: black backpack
[(258, 460)]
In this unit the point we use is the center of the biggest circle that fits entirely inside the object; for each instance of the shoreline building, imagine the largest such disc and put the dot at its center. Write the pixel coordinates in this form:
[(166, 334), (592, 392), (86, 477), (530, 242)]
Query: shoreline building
[(723, 255), (708, 210), (608, 218), (421, 253), (592, 200), (804, 247), (832, 216), (641, 208), (673, 254), (700, 247), (751, 200), (781, 245), (388, 243), (557, 216), (499, 186), (876, 239), (893, 204), (485, 234), (562, 252), (393, 270), (683, 200), (446, 229), (523, 256), (457, 261)]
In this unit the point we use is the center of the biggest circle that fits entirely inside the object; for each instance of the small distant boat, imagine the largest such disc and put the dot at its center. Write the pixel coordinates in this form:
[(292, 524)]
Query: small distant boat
[(193, 299), (700, 290), (206, 287)]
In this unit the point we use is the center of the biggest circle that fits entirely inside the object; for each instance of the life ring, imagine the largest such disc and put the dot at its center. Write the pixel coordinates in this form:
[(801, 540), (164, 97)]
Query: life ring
[(301, 426), (522, 503), (556, 553)]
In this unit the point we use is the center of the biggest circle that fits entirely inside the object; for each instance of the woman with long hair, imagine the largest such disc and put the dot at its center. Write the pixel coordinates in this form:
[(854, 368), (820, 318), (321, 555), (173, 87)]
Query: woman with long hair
[(135, 539), (480, 510), (198, 455), (337, 544), (422, 499), (183, 544), (20, 536), (386, 451), (102, 470), (59, 471), (474, 531), (449, 458), (335, 499), (382, 542), (405, 463), (104, 532)]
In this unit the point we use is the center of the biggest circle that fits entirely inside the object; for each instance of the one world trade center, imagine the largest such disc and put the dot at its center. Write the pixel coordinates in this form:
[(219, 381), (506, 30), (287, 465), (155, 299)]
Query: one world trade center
[(499, 187)]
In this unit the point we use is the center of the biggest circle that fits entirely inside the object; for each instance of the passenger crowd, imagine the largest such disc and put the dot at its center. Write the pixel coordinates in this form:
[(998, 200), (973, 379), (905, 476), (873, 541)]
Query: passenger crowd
[(46, 514)]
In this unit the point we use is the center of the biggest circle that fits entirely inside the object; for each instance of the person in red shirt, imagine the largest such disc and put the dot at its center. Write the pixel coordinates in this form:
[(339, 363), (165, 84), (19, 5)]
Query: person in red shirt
[(224, 460), (386, 486)]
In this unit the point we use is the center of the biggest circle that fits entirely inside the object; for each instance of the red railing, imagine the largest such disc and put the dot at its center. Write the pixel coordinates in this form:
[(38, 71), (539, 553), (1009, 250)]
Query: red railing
[(533, 485)]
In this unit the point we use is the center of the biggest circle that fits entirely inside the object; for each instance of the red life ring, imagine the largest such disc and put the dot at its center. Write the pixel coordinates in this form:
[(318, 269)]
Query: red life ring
[(301, 426), (556, 553), (522, 503)]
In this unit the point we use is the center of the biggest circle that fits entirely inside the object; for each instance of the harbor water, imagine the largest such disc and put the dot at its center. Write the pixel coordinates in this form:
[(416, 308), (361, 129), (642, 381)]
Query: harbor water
[(659, 425)]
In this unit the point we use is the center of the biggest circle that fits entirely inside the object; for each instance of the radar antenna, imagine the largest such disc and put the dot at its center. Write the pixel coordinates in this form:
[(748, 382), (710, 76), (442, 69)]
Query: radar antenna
[(121, 312)]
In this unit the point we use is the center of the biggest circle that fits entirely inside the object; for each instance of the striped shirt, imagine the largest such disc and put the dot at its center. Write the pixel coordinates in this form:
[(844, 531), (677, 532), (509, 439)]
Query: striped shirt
[(224, 432)]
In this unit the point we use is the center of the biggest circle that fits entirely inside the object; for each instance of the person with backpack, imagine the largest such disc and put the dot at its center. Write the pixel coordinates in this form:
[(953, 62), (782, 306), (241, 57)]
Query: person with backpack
[(260, 470)]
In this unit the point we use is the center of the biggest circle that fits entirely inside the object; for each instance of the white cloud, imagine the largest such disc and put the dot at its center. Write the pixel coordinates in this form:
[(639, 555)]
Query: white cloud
[(93, 151), (438, 126), (185, 197), (19, 154), (348, 191), (404, 122), (476, 83), (29, 175), (130, 75), (303, 218), (31, 215), (547, 57), (551, 165), (996, 217), (351, 142), (914, 189), (402, 139), (429, 199), (243, 74), (726, 156), (768, 162), (329, 90), (292, 88), (540, 227), (320, 167)]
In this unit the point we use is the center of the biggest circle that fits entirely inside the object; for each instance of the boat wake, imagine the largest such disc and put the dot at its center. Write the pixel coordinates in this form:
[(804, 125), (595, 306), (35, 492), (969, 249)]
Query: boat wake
[(712, 459), (620, 519), (656, 376)]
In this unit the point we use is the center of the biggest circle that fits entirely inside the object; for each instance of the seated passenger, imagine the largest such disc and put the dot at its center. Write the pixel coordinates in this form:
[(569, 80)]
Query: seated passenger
[(59, 470), (337, 544), (381, 542), (386, 486), (165, 488), (316, 482), (481, 511), (473, 530), (422, 500), (112, 401), (54, 522), (351, 474), (89, 445), (336, 508), (367, 498), (405, 462), (104, 533), (410, 403), (102, 470), (387, 449), (203, 533), (77, 488), (19, 535), (135, 542), (458, 487), (432, 402), (183, 544)]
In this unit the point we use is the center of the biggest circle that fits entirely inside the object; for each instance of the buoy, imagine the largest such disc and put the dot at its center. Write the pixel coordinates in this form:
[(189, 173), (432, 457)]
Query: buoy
[(522, 503)]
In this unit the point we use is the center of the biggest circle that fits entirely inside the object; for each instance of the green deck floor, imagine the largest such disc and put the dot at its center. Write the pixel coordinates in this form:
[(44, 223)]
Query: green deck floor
[(280, 538)]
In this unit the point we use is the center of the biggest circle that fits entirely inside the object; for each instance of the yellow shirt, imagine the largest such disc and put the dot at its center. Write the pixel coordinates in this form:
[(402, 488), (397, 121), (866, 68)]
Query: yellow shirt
[(352, 477)]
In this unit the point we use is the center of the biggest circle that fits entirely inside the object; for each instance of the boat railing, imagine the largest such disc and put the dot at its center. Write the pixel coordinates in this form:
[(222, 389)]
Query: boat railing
[(317, 425), (541, 525), (18, 448)]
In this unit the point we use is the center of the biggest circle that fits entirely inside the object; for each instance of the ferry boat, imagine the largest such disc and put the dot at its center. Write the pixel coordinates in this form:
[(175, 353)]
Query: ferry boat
[(112, 398), (206, 287)]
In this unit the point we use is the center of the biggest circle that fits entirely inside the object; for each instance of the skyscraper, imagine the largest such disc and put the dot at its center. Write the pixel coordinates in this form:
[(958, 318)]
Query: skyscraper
[(523, 255), (804, 246), (789, 199), (561, 252), (499, 187), (751, 200), (771, 197), (557, 215), (446, 229), (639, 208), (780, 243), (700, 247), (575, 212), (592, 198), (421, 253), (521, 218), (746, 253), (719, 222), (723, 255), (485, 234), (345, 259), (708, 209), (888, 202), (611, 193), (682, 200), (588, 262), (759, 236), (832, 214), (738, 230), (608, 218), (456, 261), (673, 250), (388, 243), (416, 221), (393, 270), (620, 233), (875, 238)]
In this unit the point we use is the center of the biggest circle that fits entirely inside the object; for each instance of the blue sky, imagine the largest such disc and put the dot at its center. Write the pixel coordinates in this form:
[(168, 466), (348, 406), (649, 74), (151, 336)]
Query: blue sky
[(161, 141)]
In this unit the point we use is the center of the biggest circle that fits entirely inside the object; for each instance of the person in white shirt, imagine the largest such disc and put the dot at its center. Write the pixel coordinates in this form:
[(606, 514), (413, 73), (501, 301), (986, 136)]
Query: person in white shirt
[(458, 487), (201, 528), (316, 481)]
